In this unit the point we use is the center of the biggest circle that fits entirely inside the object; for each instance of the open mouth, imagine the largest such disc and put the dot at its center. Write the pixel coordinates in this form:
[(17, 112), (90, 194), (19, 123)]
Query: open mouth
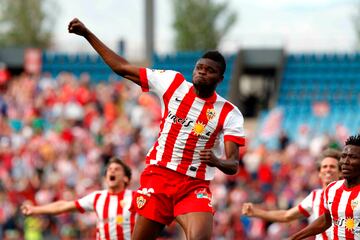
[(112, 178)]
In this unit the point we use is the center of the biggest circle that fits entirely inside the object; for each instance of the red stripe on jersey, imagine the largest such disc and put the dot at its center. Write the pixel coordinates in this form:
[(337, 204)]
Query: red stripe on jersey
[(349, 212), (313, 198), (119, 211), (322, 211), (143, 80), (303, 211), (239, 140), (132, 214), (106, 216), (96, 198), (79, 208), (183, 110), (210, 143), (192, 140), (178, 80), (334, 211)]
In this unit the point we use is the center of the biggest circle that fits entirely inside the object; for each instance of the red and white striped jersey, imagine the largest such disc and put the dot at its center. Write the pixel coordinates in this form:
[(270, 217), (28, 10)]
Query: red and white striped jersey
[(312, 207), (189, 124), (114, 220), (344, 206)]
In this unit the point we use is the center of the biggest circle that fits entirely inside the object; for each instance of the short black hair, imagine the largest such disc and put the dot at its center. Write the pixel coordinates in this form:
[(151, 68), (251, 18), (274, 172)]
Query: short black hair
[(217, 57), (353, 140), (127, 169), (329, 153)]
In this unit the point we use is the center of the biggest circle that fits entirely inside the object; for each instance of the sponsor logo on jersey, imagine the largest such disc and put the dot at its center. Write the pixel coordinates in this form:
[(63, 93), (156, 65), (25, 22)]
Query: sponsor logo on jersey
[(119, 219), (210, 114), (350, 224), (183, 121), (202, 193), (198, 128), (146, 191)]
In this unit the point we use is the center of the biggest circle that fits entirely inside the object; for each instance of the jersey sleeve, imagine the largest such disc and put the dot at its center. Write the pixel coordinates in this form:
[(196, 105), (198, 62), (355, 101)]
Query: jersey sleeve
[(86, 203), (234, 127), (157, 81), (306, 205)]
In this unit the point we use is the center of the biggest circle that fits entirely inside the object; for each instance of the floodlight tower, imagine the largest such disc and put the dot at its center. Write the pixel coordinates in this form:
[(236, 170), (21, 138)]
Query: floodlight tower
[(149, 29)]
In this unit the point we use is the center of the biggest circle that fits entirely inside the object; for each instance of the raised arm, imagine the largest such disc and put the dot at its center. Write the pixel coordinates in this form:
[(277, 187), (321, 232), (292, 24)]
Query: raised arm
[(117, 63), (51, 208), (318, 226), (248, 209), (230, 165)]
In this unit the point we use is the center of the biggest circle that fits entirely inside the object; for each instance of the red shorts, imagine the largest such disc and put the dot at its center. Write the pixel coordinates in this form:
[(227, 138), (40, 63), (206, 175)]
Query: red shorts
[(165, 194)]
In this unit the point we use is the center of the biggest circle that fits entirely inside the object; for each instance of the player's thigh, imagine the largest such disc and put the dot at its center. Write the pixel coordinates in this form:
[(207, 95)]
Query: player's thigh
[(196, 225), (146, 229)]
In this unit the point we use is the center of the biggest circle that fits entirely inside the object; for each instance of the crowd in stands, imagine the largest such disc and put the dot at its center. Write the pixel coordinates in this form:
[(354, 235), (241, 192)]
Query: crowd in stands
[(57, 134)]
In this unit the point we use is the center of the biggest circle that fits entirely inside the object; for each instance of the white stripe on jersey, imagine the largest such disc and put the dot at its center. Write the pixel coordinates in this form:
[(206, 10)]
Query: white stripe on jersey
[(311, 204), (189, 124), (106, 208), (344, 207)]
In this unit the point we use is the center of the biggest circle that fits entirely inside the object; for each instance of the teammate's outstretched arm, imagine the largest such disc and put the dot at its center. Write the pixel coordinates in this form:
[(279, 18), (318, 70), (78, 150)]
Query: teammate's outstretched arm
[(318, 226), (248, 209), (230, 165), (51, 208), (117, 63)]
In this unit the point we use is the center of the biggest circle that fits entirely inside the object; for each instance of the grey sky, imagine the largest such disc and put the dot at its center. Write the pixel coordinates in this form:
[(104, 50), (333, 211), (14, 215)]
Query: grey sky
[(298, 26)]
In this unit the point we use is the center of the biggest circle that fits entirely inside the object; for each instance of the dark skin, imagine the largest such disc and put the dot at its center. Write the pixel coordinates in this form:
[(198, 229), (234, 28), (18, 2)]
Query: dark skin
[(350, 169), (206, 76)]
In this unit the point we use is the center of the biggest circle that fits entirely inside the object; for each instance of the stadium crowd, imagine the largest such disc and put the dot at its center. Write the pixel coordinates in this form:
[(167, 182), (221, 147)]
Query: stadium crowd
[(57, 134)]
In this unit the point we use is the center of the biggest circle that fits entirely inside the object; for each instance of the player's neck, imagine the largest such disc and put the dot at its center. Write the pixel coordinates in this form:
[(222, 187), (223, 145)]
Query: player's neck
[(115, 190), (203, 92), (352, 182)]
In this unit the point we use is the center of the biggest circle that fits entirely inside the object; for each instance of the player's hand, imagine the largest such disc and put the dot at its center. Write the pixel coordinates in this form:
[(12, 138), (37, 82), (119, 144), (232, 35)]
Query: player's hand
[(207, 156), (27, 209), (77, 27), (247, 209)]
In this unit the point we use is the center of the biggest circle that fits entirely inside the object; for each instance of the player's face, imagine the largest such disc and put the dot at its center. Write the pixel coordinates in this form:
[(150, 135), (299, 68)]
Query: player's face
[(329, 170), (350, 162), (206, 73), (115, 176)]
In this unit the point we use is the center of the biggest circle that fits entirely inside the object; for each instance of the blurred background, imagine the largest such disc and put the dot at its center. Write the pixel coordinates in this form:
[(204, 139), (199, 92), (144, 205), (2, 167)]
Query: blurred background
[(293, 69)]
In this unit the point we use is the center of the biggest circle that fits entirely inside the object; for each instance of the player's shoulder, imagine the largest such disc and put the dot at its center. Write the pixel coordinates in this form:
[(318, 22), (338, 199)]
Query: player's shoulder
[(233, 108), (335, 185)]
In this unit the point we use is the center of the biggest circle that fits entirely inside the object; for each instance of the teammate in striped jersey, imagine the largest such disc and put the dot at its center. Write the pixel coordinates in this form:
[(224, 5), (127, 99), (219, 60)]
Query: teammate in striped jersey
[(195, 123), (311, 206), (341, 199), (114, 220)]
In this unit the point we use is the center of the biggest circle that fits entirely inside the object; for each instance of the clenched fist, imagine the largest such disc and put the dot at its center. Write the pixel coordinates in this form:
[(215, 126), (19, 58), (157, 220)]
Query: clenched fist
[(77, 27)]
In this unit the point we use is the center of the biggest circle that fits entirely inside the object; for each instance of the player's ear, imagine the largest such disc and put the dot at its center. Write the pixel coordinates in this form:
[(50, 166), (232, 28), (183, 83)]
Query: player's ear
[(126, 180)]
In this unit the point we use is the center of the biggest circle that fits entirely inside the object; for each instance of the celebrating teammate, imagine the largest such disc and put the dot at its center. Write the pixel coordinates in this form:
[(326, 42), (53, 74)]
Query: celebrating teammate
[(341, 199), (312, 206), (115, 221), (195, 120)]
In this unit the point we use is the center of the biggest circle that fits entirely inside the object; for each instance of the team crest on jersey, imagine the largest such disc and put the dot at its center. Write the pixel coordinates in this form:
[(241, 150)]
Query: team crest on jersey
[(354, 203), (210, 114), (140, 201), (198, 128)]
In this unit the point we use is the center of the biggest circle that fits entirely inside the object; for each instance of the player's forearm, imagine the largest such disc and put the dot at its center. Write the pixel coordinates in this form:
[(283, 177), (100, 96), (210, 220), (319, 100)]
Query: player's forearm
[(272, 215), (53, 208), (229, 167), (318, 226), (114, 61)]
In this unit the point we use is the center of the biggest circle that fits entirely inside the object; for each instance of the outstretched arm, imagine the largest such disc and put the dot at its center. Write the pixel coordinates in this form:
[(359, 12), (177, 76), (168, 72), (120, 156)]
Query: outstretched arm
[(51, 208), (230, 165), (248, 209), (318, 226), (117, 63)]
